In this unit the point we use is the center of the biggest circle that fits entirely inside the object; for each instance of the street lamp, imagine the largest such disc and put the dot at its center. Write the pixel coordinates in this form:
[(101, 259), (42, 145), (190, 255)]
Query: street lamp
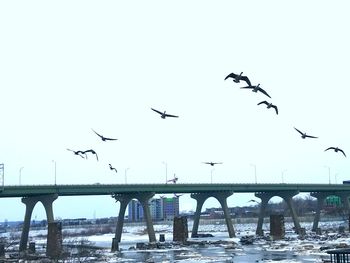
[(55, 170), (256, 181), (329, 173), (282, 175), (126, 170), (166, 171), (211, 175), (20, 174)]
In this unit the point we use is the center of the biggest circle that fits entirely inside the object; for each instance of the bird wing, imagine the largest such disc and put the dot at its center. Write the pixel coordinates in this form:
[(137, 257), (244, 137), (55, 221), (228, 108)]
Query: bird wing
[(309, 136), (329, 148), (248, 87), (110, 139), (263, 102), (263, 91), (231, 75), (245, 78), (97, 133), (342, 151), (161, 113), (169, 115), (299, 131), (70, 150), (276, 109)]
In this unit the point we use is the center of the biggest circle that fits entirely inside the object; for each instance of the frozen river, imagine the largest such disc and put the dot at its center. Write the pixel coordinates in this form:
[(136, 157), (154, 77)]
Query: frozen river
[(221, 248), (218, 248)]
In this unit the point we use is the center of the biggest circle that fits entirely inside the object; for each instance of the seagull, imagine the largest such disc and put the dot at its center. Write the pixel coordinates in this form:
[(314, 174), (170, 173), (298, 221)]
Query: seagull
[(211, 163), (80, 153), (174, 180), (112, 168), (91, 151), (163, 114), (104, 138), (269, 105), (256, 89), (304, 135), (237, 78), (336, 149)]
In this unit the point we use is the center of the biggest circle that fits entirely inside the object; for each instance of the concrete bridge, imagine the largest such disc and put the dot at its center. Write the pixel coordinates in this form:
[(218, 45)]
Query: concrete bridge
[(124, 193)]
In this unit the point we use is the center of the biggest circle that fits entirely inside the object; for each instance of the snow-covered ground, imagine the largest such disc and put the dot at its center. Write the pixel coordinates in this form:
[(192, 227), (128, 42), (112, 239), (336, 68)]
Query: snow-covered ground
[(219, 248)]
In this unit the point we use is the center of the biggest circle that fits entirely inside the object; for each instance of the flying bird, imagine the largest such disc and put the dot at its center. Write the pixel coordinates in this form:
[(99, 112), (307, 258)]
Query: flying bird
[(211, 163), (104, 138), (112, 168), (336, 149), (256, 89), (80, 153), (269, 105), (237, 78), (91, 151), (164, 115), (304, 135)]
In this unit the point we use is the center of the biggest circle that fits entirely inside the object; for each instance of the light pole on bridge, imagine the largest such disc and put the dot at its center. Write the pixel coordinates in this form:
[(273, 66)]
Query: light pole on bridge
[(211, 175), (256, 180), (55, 171), (20, 175), (166, 171), (125, 172)]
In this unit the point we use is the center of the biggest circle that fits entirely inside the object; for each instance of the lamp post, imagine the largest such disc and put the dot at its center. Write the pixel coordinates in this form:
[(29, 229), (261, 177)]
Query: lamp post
[(20, 174), (55, 170), (329, 173), (126, 170), (166, 171), (211, 175), (256, 181)]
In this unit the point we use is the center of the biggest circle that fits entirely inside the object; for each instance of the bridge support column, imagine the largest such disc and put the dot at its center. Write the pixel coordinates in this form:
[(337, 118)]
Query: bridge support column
[(124, 200), (320, 201), (30, 203), (222, 198), (265, 197), (288, 197), (345, 200), (144, 200), (200, 198)]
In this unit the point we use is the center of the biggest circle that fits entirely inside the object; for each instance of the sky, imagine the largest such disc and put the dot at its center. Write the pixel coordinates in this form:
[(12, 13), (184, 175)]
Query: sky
[(69, 67)]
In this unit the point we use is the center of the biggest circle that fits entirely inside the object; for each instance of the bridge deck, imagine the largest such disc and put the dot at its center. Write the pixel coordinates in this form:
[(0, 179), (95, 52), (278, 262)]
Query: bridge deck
[(108, 189)]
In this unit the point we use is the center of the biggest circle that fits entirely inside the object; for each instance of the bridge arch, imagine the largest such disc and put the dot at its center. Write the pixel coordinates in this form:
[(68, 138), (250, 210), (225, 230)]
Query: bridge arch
[(30, 202), (221, 196)]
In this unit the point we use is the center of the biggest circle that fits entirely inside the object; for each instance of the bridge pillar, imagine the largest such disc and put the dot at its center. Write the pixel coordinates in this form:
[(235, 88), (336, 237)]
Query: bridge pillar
[(222, 198), (288, 197), (200, 198), (345, 200), (30, 203), (321, 196), (124, 200), (144, 200), (265, 197)]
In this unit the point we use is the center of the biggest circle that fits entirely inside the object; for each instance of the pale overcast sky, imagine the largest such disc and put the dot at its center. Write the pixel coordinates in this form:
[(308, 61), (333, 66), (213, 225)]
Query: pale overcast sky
[(67, 67)]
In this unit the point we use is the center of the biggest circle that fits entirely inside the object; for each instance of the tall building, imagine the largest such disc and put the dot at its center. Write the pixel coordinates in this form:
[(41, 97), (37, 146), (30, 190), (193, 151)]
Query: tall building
[(135, 211), (160, 209), (170, 208)]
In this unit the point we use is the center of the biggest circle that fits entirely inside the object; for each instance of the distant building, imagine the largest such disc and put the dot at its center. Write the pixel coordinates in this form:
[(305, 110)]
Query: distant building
[(160, 208)]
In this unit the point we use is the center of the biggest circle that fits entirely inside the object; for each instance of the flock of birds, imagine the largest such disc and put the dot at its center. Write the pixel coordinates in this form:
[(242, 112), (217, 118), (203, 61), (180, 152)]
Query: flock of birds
[(237, 78), (83, 154)]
